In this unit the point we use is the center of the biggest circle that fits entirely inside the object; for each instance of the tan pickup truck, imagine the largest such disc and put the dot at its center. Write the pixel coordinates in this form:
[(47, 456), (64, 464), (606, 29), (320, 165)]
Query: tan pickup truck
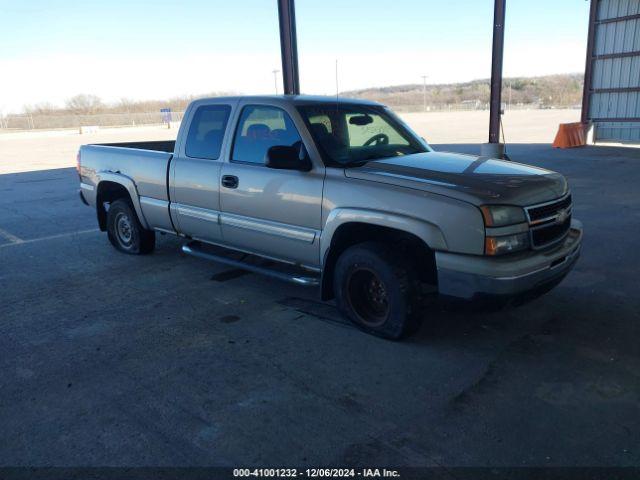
[(339, 194)]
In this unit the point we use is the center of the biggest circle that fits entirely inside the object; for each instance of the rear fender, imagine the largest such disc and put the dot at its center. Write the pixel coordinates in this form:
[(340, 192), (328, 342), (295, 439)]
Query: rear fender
[(129, 185)]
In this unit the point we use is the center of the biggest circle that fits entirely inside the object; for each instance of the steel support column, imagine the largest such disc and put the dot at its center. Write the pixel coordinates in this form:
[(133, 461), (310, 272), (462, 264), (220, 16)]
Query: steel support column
[(288, 47), (496, 71)]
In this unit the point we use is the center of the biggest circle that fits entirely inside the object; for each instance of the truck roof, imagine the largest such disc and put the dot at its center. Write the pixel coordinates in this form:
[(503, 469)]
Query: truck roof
[(292, 99)]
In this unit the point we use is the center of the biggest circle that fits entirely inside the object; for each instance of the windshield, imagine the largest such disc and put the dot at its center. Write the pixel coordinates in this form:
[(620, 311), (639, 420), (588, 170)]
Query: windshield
[(352, 134)]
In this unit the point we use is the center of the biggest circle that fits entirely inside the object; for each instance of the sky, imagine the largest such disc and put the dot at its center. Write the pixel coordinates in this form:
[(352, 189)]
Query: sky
[(51, 50)]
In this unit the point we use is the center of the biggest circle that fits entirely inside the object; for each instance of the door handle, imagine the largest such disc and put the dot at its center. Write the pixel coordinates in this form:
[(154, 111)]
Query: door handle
[(230, 181)]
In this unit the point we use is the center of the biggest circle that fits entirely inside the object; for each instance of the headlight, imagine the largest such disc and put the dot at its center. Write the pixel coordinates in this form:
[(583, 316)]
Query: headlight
[(502, 215), (506, 244)]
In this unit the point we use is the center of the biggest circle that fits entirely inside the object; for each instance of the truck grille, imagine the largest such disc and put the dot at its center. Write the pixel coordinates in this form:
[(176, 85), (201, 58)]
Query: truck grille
[(549, 222)]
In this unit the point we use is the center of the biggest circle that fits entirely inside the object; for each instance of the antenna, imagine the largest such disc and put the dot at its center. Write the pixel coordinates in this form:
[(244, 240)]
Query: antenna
[(275, 79), (337, 85)]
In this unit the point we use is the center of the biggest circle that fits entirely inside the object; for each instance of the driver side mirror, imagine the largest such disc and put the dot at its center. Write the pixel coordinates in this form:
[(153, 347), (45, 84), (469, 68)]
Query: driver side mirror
[(284, 157)]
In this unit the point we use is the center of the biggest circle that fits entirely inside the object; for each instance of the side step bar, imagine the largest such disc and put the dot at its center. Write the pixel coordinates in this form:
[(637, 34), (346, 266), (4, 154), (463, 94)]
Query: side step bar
[(197, 249)]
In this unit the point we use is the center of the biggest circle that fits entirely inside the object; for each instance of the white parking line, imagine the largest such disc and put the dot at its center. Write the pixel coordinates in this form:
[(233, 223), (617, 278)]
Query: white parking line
[(19, 241), (9, 236)]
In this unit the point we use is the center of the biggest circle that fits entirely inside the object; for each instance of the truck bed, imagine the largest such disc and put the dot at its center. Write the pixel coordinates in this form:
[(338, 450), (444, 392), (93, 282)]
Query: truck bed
[(144, 163), (156, 145)]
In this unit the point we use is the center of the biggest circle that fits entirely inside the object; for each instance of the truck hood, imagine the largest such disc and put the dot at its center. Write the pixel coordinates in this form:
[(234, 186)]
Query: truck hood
[(478, 180)]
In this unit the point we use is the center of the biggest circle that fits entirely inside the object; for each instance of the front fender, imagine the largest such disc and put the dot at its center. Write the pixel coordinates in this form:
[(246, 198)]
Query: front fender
[(427, 232), (129, 185)]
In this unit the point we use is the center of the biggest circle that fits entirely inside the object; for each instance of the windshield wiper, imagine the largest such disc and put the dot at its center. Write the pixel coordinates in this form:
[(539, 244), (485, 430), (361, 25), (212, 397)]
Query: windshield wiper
[(363, 161), (355, 163), (371, 158)]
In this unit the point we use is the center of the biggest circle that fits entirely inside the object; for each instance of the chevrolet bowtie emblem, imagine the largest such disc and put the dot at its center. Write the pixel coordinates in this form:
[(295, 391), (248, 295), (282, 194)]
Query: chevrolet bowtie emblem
[(562, 216)]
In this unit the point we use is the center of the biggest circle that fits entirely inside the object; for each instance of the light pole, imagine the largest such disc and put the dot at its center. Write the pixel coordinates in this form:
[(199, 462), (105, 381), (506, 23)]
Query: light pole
[(275, 79), (424, 92)]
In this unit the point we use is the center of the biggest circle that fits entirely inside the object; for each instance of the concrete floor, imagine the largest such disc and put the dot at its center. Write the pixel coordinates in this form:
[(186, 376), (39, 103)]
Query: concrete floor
[(109, 359)]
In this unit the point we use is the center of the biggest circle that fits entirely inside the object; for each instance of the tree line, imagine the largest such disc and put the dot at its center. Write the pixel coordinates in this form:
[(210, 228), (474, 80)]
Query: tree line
[(552, 91), (89, 104), (563, 90)]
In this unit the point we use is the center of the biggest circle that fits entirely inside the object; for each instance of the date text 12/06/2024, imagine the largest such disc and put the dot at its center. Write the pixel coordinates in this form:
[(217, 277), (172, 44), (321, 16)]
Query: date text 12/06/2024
[(316, 473)]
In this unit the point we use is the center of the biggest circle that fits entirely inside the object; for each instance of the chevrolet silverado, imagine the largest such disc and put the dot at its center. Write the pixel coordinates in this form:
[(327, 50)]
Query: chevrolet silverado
[(340, 194)]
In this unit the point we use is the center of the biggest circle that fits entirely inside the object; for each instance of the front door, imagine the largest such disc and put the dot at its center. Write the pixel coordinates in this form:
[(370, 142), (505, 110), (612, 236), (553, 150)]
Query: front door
[(276, 213)]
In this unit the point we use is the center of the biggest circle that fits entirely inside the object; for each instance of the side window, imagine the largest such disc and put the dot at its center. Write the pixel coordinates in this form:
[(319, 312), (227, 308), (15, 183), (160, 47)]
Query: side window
[(206, 132), (259, 129), (321, 123)]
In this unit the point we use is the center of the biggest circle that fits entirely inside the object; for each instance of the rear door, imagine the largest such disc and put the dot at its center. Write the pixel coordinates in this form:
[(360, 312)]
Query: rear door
[(272, 212), (195, 172)]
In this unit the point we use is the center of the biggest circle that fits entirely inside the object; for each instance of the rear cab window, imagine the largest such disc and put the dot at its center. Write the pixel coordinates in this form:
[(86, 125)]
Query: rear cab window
[(206, 131)]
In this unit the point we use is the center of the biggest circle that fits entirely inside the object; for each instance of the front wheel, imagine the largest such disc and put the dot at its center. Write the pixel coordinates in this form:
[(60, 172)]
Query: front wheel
[(378, 290), (125, 231)]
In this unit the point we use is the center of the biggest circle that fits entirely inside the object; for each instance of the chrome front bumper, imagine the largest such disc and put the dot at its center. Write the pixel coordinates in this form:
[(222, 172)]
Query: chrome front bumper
[(468, 276)]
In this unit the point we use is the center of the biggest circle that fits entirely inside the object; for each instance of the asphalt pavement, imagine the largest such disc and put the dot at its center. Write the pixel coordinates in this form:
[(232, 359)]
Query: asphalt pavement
[(168, 360)]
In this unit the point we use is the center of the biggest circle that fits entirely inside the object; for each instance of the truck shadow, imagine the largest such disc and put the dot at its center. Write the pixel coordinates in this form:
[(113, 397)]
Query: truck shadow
[(441, 321)]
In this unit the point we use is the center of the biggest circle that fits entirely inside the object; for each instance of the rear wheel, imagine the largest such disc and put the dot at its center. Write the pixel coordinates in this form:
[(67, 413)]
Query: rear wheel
[(378, 290), (125, 231)]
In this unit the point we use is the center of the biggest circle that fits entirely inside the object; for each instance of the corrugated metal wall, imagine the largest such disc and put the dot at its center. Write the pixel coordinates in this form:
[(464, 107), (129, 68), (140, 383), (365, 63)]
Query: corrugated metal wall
[(614, 103)]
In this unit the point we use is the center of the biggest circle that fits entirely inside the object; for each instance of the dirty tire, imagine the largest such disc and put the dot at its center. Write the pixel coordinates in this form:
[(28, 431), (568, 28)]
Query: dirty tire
[(378, 290), (125, 231)]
